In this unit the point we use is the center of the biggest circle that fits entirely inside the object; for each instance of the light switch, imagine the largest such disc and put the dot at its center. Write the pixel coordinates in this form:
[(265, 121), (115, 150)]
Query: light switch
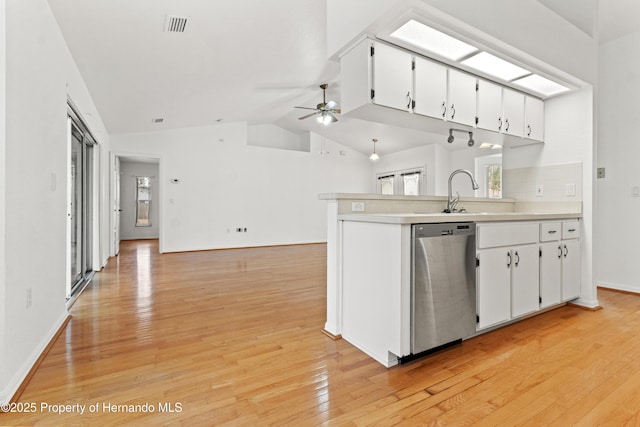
[(539, 190), (571, 189), (600, 173)]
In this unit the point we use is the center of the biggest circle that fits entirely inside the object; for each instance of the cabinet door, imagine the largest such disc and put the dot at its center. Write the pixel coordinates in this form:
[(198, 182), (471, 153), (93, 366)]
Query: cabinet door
[(534, 118), (430, 88), (489, 106), (461, 91), (550, 274), (571, 269), (493, 287), (513, 112), (392, 77), (525, 273)]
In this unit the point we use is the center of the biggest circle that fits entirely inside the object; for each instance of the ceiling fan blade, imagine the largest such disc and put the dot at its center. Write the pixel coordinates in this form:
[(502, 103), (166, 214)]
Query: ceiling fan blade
[(333, 118), (335, 111), (307, 116), (306, 108)]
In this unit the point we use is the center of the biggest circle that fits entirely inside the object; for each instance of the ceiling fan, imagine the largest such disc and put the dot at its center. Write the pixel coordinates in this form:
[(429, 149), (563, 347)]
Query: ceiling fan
[(325, 111)]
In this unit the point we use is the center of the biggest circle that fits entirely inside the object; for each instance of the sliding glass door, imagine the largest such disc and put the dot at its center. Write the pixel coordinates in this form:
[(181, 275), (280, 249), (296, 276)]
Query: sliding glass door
[(80, 204)]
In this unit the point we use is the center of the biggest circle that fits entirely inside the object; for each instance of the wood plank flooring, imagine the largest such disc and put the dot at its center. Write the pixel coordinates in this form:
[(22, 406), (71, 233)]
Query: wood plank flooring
[(233, 337)]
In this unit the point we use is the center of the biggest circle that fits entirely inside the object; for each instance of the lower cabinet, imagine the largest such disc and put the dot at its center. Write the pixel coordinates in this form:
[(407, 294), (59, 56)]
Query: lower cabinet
[(523, 267), (507, 284), (560, 265)]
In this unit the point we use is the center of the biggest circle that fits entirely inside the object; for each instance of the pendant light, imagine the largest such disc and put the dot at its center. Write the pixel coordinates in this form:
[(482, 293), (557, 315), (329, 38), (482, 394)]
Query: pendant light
[(374, 156)]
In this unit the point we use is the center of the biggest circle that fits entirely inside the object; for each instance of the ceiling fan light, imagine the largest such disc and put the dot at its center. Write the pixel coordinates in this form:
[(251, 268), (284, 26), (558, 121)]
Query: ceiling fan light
[(325, 119)]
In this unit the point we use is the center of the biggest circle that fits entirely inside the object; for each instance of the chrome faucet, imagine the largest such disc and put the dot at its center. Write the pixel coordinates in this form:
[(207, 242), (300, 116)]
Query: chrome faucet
[(451, 204)]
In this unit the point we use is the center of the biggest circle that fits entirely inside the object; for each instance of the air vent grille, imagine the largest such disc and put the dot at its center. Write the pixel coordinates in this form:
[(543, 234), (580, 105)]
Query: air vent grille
[(176, 24)]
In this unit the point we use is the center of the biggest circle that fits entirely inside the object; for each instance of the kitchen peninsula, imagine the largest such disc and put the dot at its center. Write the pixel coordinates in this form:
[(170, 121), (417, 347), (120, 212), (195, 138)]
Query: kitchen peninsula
[(369, 262)]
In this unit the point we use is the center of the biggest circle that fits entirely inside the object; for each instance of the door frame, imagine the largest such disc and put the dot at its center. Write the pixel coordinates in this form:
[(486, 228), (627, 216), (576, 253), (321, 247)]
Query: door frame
[(112, 192)]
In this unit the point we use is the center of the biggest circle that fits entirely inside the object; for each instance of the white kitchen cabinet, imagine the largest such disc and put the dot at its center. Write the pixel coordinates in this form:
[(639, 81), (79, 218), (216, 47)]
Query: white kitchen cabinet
[(560, 265), (550, 274), (534, 118), (525, 292), (392, 77), (571, 269), (461, 98), (489, 113), (430, 90), (493, 287), (513, 112)]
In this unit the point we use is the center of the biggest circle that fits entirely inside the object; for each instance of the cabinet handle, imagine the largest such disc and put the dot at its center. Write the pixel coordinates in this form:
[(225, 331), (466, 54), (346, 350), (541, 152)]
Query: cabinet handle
[(453, 111), (506, 122), (552, 231), (571, 230), (499, 123), (509, 262), (444, 109), (566, 251), (409, 99), (517, 259), (528, 130), (559, 251)]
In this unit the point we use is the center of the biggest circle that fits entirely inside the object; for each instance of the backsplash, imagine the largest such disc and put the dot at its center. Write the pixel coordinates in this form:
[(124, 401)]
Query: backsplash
[(544, 184)]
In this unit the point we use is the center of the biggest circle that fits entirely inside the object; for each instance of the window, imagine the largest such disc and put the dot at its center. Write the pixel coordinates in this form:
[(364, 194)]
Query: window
[(143, 201), (385, 184), (408, 182), (493, 181)]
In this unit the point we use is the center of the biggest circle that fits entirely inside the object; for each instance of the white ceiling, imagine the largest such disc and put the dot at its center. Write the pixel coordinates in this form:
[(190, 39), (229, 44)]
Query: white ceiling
[(241, 60)]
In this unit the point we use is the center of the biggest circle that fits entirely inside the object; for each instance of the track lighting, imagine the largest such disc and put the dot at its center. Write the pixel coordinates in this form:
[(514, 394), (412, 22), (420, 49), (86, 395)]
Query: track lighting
[(451, 137), (374, 156)]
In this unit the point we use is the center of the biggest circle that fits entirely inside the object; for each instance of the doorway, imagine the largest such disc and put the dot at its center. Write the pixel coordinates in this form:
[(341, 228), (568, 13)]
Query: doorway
[(136, 194), (81, 197)]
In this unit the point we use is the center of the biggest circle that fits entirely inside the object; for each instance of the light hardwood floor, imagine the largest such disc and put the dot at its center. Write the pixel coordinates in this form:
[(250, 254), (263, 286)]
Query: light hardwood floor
[(233, 337)]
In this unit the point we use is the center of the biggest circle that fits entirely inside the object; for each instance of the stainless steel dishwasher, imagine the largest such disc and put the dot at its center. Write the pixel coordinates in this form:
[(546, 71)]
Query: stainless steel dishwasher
[(443, 285)]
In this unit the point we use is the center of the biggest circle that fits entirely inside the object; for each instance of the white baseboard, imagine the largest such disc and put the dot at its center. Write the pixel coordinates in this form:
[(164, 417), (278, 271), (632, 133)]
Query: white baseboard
[(21, 373), (619, 287)]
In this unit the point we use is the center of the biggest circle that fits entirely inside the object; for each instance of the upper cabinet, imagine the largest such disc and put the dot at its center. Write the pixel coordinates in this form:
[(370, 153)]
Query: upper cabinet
[(513, 112), (430, 88), (434, 97), (392, 77), (461, 98), (533, 118), (489, 106)]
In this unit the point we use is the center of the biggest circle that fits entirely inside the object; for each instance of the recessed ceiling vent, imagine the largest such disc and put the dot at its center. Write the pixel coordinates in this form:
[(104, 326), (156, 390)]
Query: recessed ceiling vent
[(175, 24)]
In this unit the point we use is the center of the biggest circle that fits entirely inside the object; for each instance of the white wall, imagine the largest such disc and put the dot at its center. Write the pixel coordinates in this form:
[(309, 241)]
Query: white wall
[(618, 152), (40, 74), (128, 172), (225, 184), (568, 139)]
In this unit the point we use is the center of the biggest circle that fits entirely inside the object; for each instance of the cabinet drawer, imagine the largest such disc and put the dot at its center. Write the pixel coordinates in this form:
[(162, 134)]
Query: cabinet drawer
[(570, 229), (550, 231), (495, 235)]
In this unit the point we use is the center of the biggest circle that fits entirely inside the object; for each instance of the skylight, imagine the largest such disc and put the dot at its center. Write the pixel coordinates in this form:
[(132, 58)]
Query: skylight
[(434, 41), (541, 85), (494, 66)]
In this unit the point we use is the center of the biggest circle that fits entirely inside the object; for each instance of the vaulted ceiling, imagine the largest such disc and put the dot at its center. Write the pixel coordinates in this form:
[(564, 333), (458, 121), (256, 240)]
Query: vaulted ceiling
[(244, 60)]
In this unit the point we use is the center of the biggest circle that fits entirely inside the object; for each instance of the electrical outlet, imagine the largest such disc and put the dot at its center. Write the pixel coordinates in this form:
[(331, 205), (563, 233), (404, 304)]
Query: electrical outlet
[(357, 206), (635, 191), (539, 190)]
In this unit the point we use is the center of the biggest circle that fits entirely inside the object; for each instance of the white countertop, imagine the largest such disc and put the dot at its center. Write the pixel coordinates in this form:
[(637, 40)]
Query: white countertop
[(418, 218)]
